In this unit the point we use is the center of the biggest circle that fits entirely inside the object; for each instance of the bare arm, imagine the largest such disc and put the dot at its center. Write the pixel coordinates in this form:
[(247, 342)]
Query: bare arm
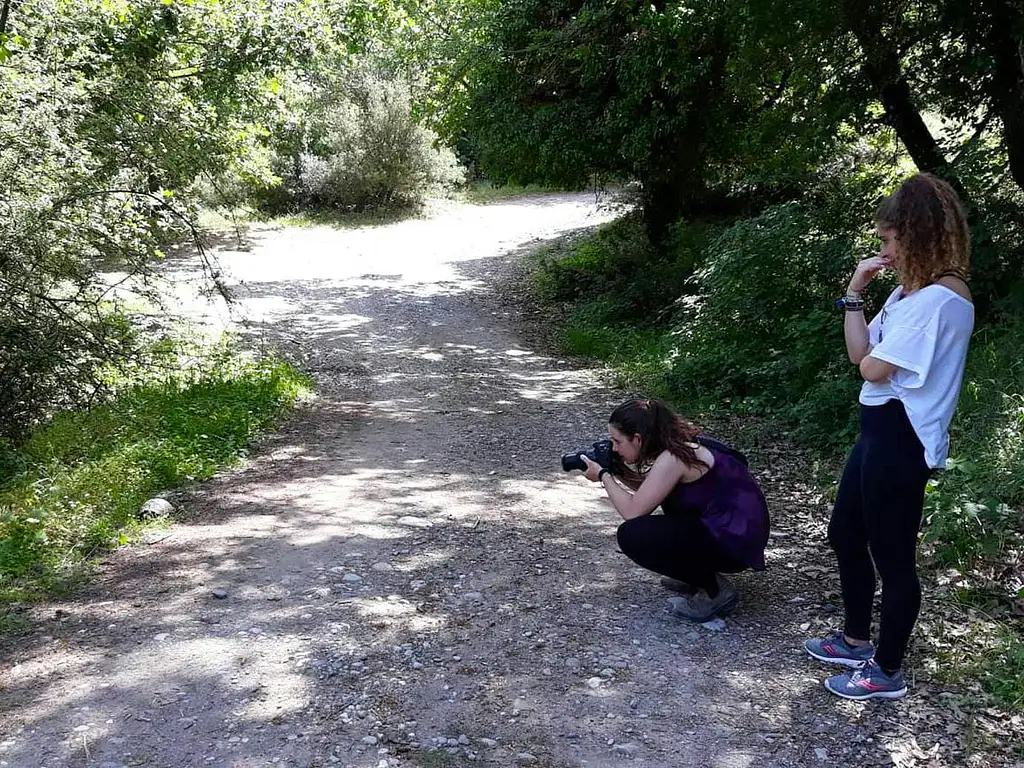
[(855, 330), (662, 477), (855, 327), (628, 477), (621, 498)]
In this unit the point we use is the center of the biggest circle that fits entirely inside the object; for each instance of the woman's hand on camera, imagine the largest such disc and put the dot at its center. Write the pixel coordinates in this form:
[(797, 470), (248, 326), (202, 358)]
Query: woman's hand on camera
[(865, 271), (593, 469)]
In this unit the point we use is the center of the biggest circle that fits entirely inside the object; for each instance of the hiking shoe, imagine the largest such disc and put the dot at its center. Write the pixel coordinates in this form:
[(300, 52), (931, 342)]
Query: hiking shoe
[(700, 607), (835, 650), (677, 586), (867, 682)]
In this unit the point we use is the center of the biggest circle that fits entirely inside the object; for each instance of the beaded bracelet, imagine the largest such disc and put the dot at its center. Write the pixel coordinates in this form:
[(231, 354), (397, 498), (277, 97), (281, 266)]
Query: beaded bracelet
[(851, 303)]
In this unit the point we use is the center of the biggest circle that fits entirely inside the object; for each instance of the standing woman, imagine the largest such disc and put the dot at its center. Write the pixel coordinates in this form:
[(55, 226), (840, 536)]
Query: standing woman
[(911, 357)]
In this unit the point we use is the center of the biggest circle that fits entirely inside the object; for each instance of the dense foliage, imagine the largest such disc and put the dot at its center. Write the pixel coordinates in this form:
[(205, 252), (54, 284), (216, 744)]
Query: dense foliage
[(118, 118)]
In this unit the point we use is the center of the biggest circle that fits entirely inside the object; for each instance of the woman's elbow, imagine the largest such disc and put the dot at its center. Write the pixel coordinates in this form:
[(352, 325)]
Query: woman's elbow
[(632, 512), (874, 370), (857, 353)]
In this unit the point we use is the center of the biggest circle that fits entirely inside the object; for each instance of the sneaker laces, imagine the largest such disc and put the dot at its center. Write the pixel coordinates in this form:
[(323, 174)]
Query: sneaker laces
[(834, 639), (864, 670), (837, 637), (840, 639)]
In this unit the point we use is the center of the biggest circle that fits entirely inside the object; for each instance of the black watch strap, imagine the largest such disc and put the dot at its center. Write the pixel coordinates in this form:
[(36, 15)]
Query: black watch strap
[(602, 473)]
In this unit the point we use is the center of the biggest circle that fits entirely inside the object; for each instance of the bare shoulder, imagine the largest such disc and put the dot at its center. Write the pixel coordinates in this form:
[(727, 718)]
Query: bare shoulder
[(690, 473), (666, 468), (957, 285)]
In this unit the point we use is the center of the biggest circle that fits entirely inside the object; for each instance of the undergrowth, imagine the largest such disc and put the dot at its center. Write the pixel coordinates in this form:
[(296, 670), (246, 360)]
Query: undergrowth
[(75, 486)]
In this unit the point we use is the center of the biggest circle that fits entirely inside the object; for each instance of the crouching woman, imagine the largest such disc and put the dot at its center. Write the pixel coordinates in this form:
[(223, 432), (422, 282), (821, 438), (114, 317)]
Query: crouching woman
[(715, 517)]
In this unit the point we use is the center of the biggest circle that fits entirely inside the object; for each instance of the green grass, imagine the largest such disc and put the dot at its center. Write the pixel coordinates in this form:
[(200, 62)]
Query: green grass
[(75, 487), (1002, 672), (478, 193), (219, 220), (482, 192), (347, 220), (968, 640), (637, 358), (617, 297)]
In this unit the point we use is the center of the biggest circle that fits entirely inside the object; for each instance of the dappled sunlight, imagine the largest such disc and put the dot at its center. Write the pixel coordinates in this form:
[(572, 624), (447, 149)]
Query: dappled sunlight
[(563, 494), (416, 258), (551, 386), (404, 555), (734, 758)]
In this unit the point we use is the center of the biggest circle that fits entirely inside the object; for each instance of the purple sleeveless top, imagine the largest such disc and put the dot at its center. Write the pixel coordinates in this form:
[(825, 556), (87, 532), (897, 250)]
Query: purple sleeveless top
[(730, 503)]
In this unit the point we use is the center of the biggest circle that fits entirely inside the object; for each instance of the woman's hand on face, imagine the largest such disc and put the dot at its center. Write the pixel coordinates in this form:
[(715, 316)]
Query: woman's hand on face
[(866, 270), (593, 469)]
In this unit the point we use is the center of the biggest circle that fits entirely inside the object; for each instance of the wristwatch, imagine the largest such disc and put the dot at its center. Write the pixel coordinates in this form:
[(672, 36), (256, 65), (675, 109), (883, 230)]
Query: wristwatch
[(601, 474)]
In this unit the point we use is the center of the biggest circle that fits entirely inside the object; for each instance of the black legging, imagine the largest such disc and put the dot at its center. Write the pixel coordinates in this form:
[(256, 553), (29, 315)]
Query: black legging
[(876, 517), (678, 546)]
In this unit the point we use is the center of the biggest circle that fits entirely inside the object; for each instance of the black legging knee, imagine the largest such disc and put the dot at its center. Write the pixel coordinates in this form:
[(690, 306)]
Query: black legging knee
[(677, 546)]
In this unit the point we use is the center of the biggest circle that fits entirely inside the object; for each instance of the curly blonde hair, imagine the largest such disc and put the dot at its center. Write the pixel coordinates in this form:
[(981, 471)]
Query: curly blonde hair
[(931, 228)]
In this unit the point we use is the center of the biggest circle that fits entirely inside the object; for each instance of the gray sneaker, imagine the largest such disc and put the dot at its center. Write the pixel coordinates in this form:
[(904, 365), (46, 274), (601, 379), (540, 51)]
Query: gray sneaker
[(868, 682), (835, 650), (700, 607)]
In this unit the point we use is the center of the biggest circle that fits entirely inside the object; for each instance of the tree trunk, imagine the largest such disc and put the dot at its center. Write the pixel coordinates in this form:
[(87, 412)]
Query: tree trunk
[(1008, 81), (903, 116), (662, 202), (884, 73), (676, 182)]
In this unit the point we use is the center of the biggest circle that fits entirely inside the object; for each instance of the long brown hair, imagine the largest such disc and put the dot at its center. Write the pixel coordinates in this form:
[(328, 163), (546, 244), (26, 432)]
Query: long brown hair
[(660, 429), (931, 229)]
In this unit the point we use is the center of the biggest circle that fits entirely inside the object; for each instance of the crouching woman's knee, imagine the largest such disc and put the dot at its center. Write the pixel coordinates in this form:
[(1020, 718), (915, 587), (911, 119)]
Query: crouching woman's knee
[(631, 535)]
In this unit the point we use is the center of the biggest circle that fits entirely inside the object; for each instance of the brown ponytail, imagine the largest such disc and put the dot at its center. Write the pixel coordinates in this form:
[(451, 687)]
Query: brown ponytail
[(660, 429)]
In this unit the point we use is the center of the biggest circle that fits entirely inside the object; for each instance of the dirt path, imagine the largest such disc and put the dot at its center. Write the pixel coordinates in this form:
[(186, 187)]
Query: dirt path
[(411, 580)]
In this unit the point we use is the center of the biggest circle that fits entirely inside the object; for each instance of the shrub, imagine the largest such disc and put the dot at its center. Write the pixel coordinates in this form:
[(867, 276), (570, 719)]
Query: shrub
[(361, 148), (764, 334), (619, 276), (976, 504)]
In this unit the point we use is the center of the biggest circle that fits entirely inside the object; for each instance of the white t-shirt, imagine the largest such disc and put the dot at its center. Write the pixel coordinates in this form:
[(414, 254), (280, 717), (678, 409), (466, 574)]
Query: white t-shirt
[(925, 335)]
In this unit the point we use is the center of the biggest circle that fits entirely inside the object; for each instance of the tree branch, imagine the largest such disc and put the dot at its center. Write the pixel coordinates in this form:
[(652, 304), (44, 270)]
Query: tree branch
[(5, 12)]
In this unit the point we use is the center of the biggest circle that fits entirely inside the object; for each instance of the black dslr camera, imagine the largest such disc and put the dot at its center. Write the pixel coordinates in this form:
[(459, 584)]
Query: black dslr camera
[(601, 453)]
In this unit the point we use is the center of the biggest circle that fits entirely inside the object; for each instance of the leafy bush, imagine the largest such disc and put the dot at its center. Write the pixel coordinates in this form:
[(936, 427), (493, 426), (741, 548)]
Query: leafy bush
[(357, 146), (108, 111), (621, 295), (619, 276), (764, 334), (82, 476), (976, 504)]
